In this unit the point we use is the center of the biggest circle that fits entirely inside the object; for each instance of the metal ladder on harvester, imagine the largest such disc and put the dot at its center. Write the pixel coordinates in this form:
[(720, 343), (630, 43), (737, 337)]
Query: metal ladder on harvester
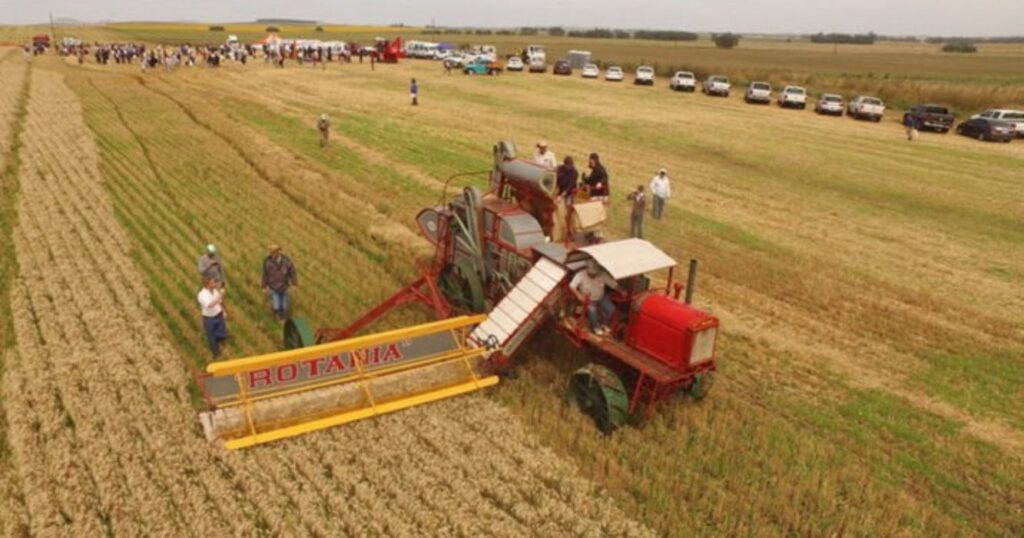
[(524, 309)]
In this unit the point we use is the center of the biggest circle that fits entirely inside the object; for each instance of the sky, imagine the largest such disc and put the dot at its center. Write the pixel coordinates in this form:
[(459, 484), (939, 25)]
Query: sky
[(890, 17)]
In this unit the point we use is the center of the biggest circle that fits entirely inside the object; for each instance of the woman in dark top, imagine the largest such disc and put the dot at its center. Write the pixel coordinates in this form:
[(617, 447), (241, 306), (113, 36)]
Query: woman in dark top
[(567, 176), (597, 181)]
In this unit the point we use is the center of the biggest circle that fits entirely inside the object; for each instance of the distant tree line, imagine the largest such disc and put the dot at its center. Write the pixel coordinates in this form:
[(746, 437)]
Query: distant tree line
[(963, 47), (665, 35), (845, 39), (1005, 39), (726, 41)]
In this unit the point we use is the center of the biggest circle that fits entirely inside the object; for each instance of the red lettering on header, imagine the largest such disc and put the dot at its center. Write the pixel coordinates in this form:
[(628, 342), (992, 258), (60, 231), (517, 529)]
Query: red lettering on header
[(259, 376), (287, 372), (335, 365), (312, 367)]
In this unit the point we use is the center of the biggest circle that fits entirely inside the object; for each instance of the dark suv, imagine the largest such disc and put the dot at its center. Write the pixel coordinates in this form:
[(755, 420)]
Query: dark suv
[(931, 117), (562, 67)]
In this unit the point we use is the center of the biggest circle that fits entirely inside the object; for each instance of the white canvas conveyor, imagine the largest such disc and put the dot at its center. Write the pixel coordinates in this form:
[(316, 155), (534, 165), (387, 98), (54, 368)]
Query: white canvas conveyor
[(514, 311)]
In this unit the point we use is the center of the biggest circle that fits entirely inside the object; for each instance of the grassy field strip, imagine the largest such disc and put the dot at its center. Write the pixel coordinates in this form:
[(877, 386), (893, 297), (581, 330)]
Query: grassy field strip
[(13, 96)]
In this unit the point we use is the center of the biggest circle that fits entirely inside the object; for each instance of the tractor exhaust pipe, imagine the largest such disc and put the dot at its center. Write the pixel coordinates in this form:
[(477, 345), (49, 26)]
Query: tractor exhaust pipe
[(691, 281)]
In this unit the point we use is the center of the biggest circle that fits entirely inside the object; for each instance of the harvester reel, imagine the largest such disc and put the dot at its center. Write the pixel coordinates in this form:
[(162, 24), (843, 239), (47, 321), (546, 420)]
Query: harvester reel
[(298, 334), (600, 393), (462, 287)]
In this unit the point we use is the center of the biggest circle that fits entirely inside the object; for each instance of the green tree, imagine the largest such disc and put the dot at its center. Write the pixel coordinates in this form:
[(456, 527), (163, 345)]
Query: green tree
[(726, 40)]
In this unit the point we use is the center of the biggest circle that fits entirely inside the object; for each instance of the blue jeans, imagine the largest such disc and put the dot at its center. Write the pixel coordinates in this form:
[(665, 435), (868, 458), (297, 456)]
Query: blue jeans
[(216, 329), (279, 302), (600, 312)]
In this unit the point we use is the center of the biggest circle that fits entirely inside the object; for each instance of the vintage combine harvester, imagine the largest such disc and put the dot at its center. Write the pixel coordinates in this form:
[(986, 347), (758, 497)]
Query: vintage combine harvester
[(501, 270)]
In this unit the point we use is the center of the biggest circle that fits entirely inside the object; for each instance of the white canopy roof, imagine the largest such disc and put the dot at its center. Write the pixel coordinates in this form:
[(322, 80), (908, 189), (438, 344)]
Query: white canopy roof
[(628, 257)]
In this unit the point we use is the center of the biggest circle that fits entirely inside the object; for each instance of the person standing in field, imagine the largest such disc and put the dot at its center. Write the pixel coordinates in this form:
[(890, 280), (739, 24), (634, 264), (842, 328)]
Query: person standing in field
[(636, 215), (597, 181), (544, 156), (211, 303), (278, 275), (414, 92), (661, 190), (212, 266), (323, 125), (911, 126)]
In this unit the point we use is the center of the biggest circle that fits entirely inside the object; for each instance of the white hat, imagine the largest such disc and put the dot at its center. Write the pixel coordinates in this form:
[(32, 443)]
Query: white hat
[(211, 249), (542, 143), (663, 171)]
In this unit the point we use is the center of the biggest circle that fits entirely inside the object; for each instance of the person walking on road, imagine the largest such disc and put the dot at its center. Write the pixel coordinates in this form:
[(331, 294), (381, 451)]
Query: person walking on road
[(212, 266), (414, 93), (661, 190), (323, 125), (211, 303), (278, 275), (544, 156), (636, 216)]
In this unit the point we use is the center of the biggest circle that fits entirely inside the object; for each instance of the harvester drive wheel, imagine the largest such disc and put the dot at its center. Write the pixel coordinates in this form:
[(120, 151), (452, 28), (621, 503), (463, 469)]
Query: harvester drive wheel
[(702, 383), (461, 286), (599, 393), (298, 334)]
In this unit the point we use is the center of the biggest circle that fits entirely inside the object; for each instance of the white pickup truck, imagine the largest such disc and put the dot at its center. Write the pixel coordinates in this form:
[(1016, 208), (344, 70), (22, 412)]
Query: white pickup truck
[(644, 76), (1014, 117), (716, 85), (864, 107), (759, 92), (793, 96), (684, 81)]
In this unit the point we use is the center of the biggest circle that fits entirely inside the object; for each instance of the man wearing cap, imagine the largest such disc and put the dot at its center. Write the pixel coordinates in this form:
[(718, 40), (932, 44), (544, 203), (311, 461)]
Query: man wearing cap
[(211, 303), (278, 274), (593, 283), (324, 126), (544, 156), (661, 190), (636, 215), (211, 265)]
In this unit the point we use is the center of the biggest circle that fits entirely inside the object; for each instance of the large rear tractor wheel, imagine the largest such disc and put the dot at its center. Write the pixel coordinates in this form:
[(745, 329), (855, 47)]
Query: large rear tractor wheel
[(462, 287), (599, 393), (298, 334), (702, 383)]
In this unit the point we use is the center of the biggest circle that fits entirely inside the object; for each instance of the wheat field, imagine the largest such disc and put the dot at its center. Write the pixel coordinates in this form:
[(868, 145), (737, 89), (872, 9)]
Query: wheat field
[(869, 288)]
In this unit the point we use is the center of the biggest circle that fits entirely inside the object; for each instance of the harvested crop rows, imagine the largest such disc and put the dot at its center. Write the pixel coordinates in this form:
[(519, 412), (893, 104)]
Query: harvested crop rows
[(104, 440)]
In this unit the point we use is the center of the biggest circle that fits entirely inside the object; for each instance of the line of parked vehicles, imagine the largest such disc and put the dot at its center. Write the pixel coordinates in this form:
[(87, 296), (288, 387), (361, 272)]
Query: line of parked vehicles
[(991, 125)]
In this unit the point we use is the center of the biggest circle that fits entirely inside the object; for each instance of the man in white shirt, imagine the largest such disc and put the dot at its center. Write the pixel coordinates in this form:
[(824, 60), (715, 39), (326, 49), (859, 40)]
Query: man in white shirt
[(211, 302), (593, 283), (662, 190), (544, 156)]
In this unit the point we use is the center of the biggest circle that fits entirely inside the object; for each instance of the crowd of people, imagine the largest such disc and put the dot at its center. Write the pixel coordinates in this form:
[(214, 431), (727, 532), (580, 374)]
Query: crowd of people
[(596, 184), (279, 275)]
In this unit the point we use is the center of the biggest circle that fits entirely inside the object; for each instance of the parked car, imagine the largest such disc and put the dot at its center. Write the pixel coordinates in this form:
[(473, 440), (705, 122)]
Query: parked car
[(683, 81), (482, 67), (758, 92), (931, 117), (614, 74), (515, 63), (591, 71), (1014, 117), (831, 104), (864, 107), (987, 129), (644, 76), (562, 67), (793, 96), (716, 85), (538, 65)]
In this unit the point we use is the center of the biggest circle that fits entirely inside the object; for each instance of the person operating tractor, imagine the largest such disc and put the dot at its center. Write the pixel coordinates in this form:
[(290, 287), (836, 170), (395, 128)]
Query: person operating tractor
[(591, 284), (323, 125)]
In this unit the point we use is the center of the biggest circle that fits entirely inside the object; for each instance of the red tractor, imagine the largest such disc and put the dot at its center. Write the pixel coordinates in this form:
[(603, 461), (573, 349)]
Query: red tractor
[(512, 253)]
